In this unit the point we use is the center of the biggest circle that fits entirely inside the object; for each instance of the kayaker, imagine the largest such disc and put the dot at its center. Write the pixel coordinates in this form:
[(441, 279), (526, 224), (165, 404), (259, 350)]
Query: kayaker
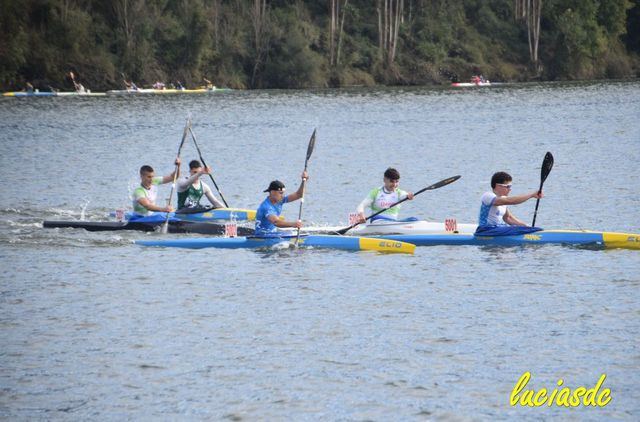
[(494, 211), (191, 188), (267, 216), (210, 84), (131, 86), (384, 196), (144, 197)]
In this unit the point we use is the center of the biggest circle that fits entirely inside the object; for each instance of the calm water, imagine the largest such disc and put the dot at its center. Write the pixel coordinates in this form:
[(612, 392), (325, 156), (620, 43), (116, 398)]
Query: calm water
[(94, 327)]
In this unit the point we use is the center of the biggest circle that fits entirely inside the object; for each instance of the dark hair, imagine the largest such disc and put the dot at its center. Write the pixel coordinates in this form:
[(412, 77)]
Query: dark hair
[(146, 169), (500, 177), (194, 164), (392, 174)]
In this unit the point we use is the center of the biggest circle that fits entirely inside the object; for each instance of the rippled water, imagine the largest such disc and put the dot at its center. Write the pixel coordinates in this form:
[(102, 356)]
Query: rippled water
[(94, 327)]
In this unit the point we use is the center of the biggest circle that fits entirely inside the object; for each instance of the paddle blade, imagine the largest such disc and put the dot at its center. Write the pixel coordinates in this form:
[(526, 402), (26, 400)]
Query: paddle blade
[(385, 245), (439, 184), (547, 165), (312, 144)]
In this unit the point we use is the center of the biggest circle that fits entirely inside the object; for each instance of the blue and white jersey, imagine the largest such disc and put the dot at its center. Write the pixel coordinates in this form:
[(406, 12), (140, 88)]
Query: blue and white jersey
[(266, 209), (491, 215)]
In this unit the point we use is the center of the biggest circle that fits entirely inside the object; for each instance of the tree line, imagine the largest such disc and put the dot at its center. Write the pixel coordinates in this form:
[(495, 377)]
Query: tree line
[(250, 44)]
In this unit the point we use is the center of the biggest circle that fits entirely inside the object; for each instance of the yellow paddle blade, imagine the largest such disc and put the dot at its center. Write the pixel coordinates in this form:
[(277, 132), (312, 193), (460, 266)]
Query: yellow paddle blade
[(621, 240), (385, 245)]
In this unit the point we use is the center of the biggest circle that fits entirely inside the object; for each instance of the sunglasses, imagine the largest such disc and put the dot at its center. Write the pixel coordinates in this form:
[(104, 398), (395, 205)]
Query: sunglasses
[(505, 186)]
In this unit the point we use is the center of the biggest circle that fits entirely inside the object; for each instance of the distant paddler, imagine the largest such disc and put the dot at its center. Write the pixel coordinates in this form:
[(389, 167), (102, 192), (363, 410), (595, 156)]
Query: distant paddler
[(267, 216), (209, 85), (158, 85), (80, 89), (191, 188), (145, 195), (130, 85), (384, 196)]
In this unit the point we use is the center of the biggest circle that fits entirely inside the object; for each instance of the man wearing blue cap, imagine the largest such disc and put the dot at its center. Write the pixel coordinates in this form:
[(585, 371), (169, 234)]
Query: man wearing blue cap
[(268, 214)]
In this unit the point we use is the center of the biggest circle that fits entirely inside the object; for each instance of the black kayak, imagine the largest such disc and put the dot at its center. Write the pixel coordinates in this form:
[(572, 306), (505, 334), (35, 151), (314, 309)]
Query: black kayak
[(174, 226)]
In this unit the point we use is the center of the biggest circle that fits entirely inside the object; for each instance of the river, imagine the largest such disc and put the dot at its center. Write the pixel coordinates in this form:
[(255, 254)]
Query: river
[(95, 327)]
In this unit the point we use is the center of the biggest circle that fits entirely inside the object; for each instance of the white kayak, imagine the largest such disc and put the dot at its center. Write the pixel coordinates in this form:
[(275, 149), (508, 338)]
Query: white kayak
[(470, 84), (384, 227)]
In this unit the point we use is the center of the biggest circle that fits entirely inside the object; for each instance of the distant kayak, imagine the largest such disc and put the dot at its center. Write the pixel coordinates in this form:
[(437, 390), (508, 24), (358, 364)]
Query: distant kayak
[(80, 94), (470, 84), (29, 94), (146, 91), (52, 94)]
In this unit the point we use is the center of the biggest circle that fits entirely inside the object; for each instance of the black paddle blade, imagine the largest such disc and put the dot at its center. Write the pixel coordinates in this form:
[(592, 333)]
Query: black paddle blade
[(440, 184), (547, 165), (312, 144)]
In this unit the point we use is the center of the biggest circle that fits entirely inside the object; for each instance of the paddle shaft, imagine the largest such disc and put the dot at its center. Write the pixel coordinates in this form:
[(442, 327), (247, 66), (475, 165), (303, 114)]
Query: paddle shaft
[(437, 185), (310, 147), (165, 226), (205, 165)]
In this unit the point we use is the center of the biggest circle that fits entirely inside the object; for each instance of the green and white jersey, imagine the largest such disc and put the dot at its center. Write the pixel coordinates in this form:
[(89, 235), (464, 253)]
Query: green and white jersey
[(189, 196), (379, 199), (151, 194)]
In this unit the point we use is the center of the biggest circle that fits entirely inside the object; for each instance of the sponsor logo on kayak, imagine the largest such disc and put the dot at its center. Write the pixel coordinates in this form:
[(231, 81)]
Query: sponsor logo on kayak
[(532, 237), (390, 244), (597, 396), (633, 239)]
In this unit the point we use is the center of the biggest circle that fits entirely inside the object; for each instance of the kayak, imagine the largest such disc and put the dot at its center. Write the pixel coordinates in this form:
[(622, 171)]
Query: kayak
[(349, 243), (80, 94), (165, 91), (562, 237), (468, 84), (29, 94), (217, 214), (407, 227), (173, 226), (53, 94)]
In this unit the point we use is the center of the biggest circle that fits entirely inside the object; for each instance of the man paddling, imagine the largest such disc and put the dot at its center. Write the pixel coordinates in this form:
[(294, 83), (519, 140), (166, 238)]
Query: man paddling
[(384, 196), (191, 188), (144, 197), (267, 216), (494, 211)]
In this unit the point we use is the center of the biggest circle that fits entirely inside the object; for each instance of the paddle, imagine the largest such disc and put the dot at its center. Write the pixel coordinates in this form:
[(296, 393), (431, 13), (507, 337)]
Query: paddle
[(312, 143), (205, 166), (73, 79), (165, 226), (547, 165), (440, 184)]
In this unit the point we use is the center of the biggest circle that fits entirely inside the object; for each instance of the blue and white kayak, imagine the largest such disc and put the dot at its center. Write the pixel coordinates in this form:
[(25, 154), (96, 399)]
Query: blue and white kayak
[(562, 237), (212, 215), (53, 94), (349, 243)]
